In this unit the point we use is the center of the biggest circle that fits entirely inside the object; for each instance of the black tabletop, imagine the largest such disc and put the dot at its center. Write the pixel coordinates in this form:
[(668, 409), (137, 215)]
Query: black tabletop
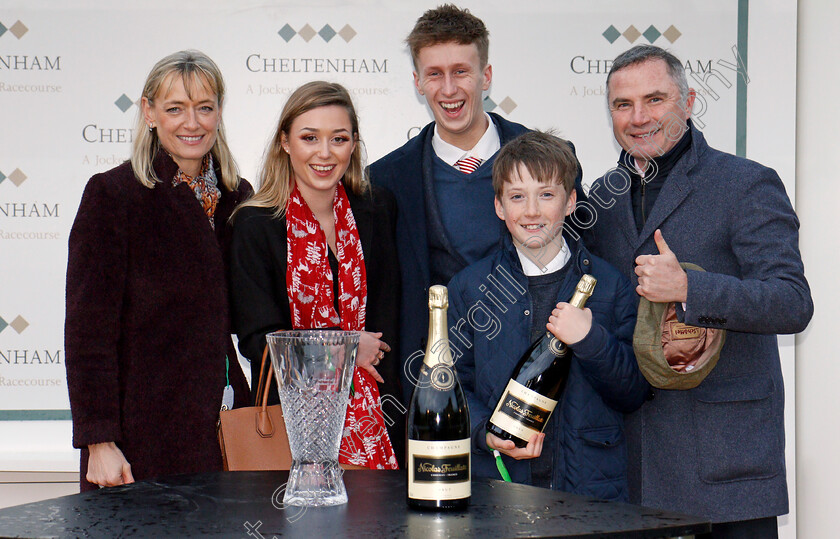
[(249, 504)]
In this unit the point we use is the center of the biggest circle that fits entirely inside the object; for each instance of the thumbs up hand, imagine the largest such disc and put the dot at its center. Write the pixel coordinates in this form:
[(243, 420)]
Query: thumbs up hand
[(661, 279)]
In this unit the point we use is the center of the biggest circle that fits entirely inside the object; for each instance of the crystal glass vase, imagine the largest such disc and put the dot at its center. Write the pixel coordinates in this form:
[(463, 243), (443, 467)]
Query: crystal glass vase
[(314, 371)]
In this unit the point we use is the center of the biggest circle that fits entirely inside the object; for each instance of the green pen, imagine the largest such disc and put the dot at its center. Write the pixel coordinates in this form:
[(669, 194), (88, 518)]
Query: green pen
[(501, 466)]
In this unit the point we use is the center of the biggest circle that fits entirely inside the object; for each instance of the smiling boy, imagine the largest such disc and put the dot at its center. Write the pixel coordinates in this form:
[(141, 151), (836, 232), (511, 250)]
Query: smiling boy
[(442, 178), (582, 448)]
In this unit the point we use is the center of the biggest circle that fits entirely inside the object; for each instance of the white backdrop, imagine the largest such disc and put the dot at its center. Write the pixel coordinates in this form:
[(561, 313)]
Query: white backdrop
[(71, 72)]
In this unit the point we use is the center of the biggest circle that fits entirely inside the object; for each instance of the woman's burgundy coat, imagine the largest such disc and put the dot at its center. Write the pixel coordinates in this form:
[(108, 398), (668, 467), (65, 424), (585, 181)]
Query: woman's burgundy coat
[(147, 326)]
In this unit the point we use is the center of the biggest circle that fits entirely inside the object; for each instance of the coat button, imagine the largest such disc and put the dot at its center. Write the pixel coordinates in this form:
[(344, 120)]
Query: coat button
[(527, 312), (651, 395), (585, 261)]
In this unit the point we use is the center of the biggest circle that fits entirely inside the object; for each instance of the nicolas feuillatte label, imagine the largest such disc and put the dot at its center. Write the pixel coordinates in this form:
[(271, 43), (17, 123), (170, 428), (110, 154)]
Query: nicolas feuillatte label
[(522, 411), (439, 470)]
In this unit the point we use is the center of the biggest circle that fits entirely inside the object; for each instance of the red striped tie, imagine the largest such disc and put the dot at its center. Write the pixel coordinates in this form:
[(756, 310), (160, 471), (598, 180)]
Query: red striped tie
[(468, 165)]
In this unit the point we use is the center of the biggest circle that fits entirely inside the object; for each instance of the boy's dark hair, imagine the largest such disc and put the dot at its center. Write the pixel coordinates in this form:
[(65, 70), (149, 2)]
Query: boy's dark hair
[(547, 157), (449, 24)]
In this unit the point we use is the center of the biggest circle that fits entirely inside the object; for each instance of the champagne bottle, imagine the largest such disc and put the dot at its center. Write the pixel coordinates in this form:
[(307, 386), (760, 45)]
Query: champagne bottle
[(438, 450), (536, 383)]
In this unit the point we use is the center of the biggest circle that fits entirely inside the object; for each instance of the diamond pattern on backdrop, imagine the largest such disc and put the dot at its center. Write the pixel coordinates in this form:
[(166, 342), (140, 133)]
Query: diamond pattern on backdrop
[(307, 33), (18, 29), (287, 33), (631, 34), (17, 177), (611, 34), (19, 324), (327, 33), (347, 33), (507, 105), (123, 102), (651, 34), (672, 34)]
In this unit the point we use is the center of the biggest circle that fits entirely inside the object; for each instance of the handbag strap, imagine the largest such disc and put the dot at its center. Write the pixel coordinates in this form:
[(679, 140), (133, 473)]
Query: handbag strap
[(261, 396), (262, 383), (264, 425), (267, 384)]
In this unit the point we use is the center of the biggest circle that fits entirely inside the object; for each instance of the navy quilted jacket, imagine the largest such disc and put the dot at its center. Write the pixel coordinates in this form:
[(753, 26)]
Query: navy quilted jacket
[(604, 380)]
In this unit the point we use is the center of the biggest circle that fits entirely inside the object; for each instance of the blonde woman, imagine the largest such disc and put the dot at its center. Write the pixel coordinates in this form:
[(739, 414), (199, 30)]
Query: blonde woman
[(314, 248), (149, 357)]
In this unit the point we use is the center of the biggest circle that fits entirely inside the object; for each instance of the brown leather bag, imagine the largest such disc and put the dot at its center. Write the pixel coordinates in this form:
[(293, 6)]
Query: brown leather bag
[(254, 438)]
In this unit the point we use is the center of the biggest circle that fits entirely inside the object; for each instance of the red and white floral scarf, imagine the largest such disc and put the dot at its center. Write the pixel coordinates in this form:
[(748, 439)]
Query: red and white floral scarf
[(309, 284)]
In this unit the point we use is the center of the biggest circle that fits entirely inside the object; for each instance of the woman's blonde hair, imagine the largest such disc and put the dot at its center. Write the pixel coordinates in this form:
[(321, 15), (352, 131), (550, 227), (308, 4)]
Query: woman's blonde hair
[(196, 69), (277, 177)]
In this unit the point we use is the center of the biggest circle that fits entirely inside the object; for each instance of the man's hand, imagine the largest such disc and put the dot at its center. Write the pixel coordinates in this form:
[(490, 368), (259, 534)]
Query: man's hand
[(530, 451), (569, 324), (107, 466), (661, 279)]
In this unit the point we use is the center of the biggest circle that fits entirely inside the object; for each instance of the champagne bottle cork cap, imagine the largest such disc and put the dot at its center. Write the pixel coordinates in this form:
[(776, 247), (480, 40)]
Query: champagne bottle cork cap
[(586, 284), (438, 297)]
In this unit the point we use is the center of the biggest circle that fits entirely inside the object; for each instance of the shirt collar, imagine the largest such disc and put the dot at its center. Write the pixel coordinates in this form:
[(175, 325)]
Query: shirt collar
[(531, 269), (484, 149)]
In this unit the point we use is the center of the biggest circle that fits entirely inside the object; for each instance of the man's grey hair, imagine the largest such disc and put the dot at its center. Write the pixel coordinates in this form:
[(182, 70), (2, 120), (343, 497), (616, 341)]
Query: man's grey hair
[(644, 53)]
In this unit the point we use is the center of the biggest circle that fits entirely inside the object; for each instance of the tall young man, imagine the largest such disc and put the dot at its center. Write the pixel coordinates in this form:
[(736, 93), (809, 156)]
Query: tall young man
[(442, 178)]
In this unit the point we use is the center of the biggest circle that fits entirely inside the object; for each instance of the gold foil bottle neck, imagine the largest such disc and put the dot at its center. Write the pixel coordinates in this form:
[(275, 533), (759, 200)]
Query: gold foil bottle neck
[(583, 290), (586, 284), (437, 345), (438, 297)]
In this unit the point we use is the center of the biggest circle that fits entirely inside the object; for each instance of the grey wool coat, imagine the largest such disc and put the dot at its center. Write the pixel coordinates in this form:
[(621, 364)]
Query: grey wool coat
[(716, 450)]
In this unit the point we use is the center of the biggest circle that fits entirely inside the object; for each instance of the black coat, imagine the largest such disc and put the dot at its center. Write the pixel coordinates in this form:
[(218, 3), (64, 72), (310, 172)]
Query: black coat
[(260, 303), (147, 326)]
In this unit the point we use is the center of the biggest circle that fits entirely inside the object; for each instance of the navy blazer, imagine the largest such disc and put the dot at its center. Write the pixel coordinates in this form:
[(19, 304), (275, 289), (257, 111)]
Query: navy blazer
[(402, 172), (716, 450)]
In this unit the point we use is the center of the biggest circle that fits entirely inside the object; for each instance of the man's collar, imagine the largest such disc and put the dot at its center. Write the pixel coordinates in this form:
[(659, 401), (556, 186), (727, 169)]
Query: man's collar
[(484, 149), (663, 163)]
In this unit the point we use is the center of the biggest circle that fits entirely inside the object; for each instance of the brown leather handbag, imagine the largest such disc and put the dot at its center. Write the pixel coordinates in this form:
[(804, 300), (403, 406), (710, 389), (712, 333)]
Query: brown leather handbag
[(254, 438)]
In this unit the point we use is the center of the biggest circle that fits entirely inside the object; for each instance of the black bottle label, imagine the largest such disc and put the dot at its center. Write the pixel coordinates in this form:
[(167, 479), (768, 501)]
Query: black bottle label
[(452, 469), (439, 470), (522, 411)]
